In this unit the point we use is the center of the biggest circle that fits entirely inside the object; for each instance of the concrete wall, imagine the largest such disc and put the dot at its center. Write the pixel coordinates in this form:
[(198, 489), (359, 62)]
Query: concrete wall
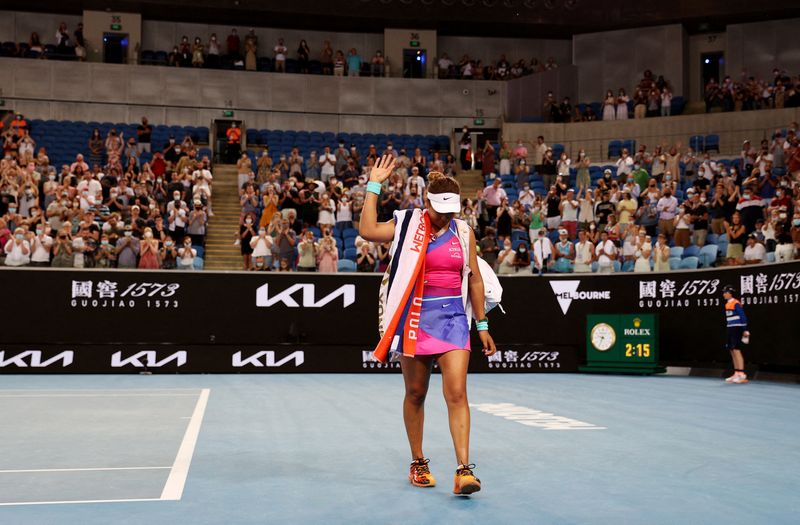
[(733, 128), (615, 59), (525, 96), (761, 46), (120, 93)]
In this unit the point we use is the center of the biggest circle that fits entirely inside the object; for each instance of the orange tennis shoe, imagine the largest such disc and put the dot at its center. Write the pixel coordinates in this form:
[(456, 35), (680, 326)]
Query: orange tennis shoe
[(465, 481), (420, 475)]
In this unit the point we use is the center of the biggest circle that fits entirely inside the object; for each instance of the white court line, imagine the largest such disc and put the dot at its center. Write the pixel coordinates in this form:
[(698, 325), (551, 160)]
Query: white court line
[(22, 471), (95, 395), (173, 489), (133, 500), (95, 390)]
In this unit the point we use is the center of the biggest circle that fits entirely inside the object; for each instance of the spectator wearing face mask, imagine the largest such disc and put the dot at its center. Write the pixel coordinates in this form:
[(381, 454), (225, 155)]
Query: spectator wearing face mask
[(564, 252), (606, 254), (105, 257), (505, 259), (18, 249), (149, 251), (667, 207), (584, 253), (246, 233), (522, 259), (127, 249), (41, 245), (328, 255), (176, 216), (187, 255), (307, 251), (262, 250)]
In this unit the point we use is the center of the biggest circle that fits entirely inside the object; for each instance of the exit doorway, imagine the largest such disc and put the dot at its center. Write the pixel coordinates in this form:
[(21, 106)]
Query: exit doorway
[(414, 63), (115, 48)]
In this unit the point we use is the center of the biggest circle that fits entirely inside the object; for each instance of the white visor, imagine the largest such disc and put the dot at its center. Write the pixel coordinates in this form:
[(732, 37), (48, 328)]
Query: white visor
[(445, 202)]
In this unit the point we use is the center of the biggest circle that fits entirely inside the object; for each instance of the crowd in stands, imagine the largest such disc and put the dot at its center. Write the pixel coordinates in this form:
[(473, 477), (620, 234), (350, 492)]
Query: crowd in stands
[(300, 214), (670, 209), (235, 52), (107, 211), (781, 91), (247, 54), (501, 69), (63, 46), (652, 97), (543, 209)]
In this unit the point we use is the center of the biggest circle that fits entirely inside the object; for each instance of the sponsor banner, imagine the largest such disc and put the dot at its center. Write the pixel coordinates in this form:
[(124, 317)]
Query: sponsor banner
[(112, 358), (138, 312)]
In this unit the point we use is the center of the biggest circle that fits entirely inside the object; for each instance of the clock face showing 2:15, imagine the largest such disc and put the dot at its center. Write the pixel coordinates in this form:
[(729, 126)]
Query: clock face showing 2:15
[(603, 336)]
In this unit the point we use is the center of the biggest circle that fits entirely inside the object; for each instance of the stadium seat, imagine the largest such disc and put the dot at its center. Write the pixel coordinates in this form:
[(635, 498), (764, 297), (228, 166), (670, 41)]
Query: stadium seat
[(696, 142), (350, 253), (691, 251), (771, 257), (614, 149), (711, 143), (689, 263), (627, 266), (676, 251), (708, 255), (722, 247), (674, 263), (712, 238), (346, 265)]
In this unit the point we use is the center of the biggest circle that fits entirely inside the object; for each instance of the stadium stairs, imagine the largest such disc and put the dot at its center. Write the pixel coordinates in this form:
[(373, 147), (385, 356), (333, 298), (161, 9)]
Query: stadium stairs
[(470, 181), (220, 253)]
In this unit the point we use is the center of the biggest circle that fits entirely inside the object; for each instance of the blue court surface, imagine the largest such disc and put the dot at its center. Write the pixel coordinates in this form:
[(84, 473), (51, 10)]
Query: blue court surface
[(320, 449)]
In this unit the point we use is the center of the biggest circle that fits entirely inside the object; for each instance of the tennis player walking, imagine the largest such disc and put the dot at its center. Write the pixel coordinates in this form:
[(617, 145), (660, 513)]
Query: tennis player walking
[(429, 294)]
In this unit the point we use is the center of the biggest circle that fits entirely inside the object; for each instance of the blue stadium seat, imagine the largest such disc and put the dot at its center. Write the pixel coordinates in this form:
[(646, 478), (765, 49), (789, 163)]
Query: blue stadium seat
[(696, 142), (346, 265), (350, 253), (691, 251), (350, 233), (712, 238), (676, 251), (674, 263), (519, 236), (614, 149), (711, 143), (689, 263), (708, 255), (627, 266)]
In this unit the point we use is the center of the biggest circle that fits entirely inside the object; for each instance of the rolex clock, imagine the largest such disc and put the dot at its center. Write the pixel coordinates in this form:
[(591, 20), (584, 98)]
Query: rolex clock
[(603, 337), (622, 343)]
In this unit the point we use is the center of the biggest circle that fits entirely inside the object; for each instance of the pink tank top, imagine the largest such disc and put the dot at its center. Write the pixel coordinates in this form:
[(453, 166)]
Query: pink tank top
[(444, 261)]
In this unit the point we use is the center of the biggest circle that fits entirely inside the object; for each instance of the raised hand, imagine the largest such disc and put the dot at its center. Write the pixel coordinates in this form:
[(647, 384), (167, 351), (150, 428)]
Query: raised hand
[(382, 169)]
